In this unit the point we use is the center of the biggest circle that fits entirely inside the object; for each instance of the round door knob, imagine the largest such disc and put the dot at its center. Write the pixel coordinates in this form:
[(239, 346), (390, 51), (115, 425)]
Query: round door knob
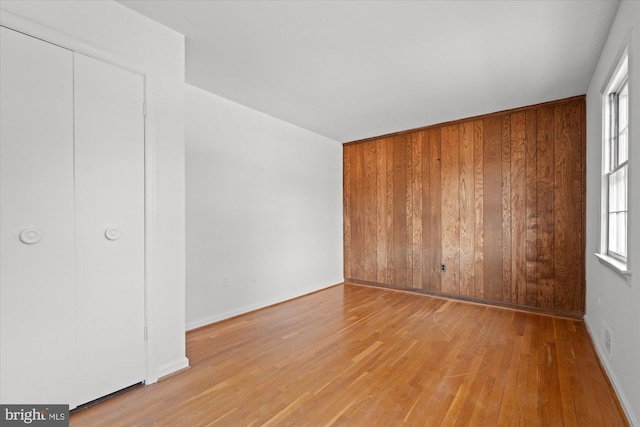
[(112, 233), (29, 236)]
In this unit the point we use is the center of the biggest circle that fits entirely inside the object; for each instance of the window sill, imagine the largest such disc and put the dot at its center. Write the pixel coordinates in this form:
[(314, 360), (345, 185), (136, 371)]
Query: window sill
[(614, 264)]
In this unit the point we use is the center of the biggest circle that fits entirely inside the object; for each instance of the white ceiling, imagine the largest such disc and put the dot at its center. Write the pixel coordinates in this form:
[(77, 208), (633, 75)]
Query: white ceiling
[(354, 69)]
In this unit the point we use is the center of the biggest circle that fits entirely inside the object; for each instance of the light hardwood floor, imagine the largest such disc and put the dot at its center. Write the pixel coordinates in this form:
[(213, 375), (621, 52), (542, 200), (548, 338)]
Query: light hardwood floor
[(354, 355)]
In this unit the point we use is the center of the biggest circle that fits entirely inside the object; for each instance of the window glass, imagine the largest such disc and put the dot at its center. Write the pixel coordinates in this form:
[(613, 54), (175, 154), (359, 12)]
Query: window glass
[(616, 173), (618, 212), (623, 124)]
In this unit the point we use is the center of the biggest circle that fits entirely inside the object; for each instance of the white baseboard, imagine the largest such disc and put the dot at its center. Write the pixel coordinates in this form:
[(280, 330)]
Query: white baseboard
[(171, 367), (612, 377), (248, 308)]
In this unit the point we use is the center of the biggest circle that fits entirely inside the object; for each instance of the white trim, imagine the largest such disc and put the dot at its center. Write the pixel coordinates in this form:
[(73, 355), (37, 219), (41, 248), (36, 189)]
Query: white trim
[(604, 361), (49, 35), (248, 308), (171, 367), (613, 79), (616, 265), (150, 210), (617, 63)]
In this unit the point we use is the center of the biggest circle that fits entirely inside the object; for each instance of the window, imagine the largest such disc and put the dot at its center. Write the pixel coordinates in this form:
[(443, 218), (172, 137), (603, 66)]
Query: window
[(617, 173), (616, 165)]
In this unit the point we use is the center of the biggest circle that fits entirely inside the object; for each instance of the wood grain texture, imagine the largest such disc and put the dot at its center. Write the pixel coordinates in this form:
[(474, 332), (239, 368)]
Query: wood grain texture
[(370, 212), (357, 211), (569, 222), (545, 167), (518, 210), (499, 200), (390, 198), (427, 252), (507, 218), (531, 209), (435, 211), (408, 209), (400, 190), (467, 208), (361, 356), (347, 194), (381, 210), (492, 207), (478, 191), (416, 210), (450, 185)]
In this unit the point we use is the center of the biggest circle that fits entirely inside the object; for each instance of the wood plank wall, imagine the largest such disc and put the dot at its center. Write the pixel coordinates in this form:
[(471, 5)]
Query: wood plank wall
[(498, 199)]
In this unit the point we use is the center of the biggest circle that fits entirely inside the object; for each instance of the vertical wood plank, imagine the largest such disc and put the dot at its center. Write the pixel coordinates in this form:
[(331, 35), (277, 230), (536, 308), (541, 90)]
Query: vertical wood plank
[(478, 250), (506, 209), (346, 205), (492, 209), (562, 157), (450, 209), (568, 212), (581, 195), (467, 209), (381, 208), (389, 144), (399, 211), (499, 200), (408, 213), (416, 209), (370, 212), (518, 212), (531, 209), (435, 210), (357, 216), (426, 209), (545, 202)]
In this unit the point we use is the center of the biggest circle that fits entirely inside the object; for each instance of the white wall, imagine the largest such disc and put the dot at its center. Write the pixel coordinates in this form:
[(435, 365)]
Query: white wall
[(111, 27), (264, 209), (610, 297)]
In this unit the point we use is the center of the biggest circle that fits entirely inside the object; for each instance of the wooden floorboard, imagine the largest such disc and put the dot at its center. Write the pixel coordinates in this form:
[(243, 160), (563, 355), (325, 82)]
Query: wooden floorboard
[(354, 355)]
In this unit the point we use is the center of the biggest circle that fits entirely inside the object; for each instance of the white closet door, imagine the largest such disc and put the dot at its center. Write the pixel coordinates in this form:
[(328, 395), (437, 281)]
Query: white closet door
[(109, 175), (37, 299)]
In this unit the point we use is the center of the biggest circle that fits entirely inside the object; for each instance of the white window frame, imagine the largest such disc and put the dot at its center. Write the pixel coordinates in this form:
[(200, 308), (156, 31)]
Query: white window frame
[(618, 78)]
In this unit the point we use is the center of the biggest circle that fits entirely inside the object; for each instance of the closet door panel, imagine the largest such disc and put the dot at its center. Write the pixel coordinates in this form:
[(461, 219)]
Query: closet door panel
[(109, 173), (37, 304)]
